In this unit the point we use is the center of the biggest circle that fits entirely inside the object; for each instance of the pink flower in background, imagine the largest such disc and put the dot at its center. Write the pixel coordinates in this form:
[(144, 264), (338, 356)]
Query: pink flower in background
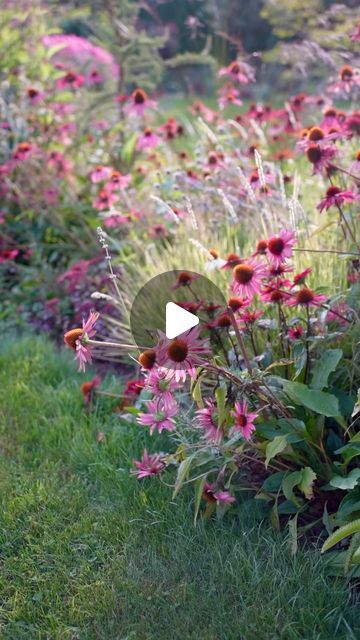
[(239, 71), (51, 196), (88, 387), (23, 151), (105, 200), (299, 278), (355, 167), (147, 140), (138, 102), (117, 180), (295, 332), (229, 95), (356, 35), (94, 62), (335, 196), (207, 420), (247, 278), (321, 156), (279, 247), (183, 354), (212, 495), (244, 420), (34, 95), (198, 108), (149, 465), (114, 219), (70, 80), (159, 416), (8, 254), (77, 339), (100, 174), (349, 79)]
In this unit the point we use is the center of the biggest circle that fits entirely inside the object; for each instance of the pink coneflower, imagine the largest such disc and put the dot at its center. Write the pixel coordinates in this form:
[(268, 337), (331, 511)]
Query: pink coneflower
[(138, 102), (198, 108), (149, 465), (88, 387), (355, 167), (162, 385), (207, 419), (158, 416), (8, 254), (295, 332), (320, 157), (184, 279), (279, 247), (239, 71), (100, 173), (349, 78), (299, 278), (232, 259), (306, 297), (105, 200), (183, 354), (147, 140), (249, 317), (335, 197), (247, 278), (34, 95), (244, 420), (237, 304), (132, 390), (356, 35), (213, 495), (274, 293), (229, 95), (70, 80), (114, 219), (158, 231), (23, 151), (77, 339), (316, 136), (117, 180), (338, 313)]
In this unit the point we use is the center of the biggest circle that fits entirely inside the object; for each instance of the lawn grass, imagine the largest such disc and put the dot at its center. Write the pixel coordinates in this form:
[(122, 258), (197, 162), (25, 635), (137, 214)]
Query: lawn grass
[(88, 552)]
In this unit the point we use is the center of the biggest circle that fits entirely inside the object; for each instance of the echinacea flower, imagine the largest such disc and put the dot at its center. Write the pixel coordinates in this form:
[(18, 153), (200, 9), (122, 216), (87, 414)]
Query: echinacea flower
[(162, 385), (105, 200), (213, 495), (78, 340), (236, 303), (149, 465), (88, 387), (295, 332), (70, 80), (320, 157), (244, 420), (335, 197), (306, 297), (139, 101), (117, 180), (184, 279), (100, 173), (147, 140), (207, 419), (229, 95), (279, 247), (299, 278), (239, 71), (159, 417), (182, 354), (247, 278), (231, 261)]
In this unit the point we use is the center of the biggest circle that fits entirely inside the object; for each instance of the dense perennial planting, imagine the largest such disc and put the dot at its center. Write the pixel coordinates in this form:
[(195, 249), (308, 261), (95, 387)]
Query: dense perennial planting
[(262, 402)]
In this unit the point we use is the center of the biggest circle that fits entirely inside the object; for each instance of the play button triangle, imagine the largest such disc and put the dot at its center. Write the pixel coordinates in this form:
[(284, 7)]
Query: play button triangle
[(178, 320)]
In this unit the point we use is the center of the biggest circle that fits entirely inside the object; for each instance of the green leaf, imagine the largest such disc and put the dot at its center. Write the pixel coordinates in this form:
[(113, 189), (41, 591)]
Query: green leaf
[(318, 401), (199, 489), (289, 483), (274, 447), (293, 534), (272, 484), (324, 366), (128, 149), (220, 395), (183, 472), (307, 480), (344, 532), (346, 482)]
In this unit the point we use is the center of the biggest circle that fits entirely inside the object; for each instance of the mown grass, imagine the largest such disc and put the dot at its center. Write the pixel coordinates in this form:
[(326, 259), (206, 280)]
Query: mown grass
[(87, 552)]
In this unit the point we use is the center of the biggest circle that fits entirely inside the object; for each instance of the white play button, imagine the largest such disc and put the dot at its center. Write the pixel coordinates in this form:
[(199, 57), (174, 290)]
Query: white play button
[(178, 320)]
